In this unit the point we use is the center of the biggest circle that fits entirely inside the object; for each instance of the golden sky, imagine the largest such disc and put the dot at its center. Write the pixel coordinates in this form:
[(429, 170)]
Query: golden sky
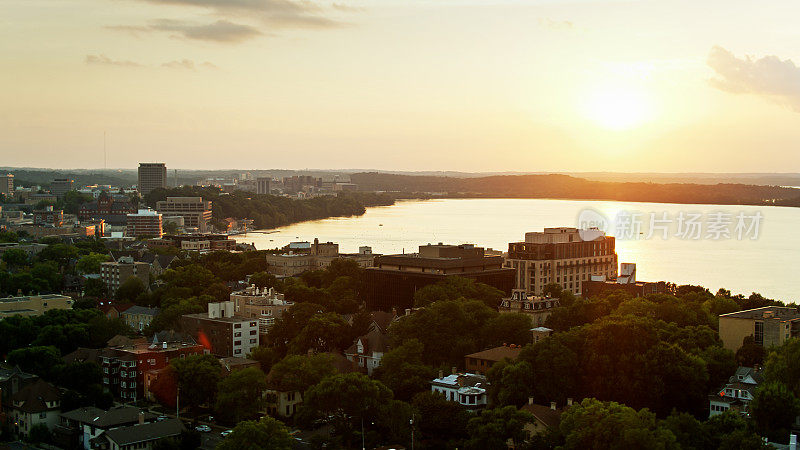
[(472, 85)]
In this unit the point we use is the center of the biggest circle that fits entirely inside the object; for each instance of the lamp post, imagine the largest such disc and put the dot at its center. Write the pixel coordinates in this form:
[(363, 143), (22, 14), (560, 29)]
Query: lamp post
[(363, 445), (411, 422)]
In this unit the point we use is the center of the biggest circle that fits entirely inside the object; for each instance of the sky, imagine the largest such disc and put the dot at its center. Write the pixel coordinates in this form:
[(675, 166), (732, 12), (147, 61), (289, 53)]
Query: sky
[(469, 85)]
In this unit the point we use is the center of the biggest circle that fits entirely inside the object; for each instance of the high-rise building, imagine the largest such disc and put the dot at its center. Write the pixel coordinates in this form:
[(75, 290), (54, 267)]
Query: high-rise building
[(195, 211), (152, 176), (61, 186), (564, 256), (264, 185), (7, 184), (115, 274)]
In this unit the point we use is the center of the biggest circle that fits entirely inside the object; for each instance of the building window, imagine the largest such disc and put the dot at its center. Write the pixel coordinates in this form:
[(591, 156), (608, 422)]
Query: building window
[(759, 333)]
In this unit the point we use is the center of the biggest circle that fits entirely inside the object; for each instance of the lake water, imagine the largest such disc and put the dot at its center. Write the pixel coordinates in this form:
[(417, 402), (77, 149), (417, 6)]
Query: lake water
[(767, 265)]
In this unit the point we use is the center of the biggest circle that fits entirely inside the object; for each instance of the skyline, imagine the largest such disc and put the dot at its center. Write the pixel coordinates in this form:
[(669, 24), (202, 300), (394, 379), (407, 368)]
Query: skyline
[(472, 86)]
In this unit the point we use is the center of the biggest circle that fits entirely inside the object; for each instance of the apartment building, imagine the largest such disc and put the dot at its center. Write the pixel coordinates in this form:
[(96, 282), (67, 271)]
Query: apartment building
[(48, 217), (221, 331), (114, 274), (564, 256), (195, 211), (7, 184), (265, 305), (61, 186)]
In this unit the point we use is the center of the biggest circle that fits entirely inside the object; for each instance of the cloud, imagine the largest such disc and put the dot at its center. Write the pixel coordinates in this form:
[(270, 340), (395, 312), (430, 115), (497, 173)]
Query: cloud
[(286, 13), (105, 60), (219, 31), (777, 80), (188, 64), (551, 24)]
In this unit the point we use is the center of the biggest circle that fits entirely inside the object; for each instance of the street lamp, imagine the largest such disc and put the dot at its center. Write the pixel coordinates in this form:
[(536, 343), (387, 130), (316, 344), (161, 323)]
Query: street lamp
[(411, 422)]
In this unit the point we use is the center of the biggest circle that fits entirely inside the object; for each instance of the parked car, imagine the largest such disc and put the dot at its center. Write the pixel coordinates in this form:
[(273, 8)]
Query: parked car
[(226, 433), (161, 418), (203, 428)]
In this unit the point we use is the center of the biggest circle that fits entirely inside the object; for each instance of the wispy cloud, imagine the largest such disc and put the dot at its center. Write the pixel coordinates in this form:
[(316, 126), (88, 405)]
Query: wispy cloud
[(219, 31), (546, 22), (276, 13), (770, 77), (188, 64), (106, 61)]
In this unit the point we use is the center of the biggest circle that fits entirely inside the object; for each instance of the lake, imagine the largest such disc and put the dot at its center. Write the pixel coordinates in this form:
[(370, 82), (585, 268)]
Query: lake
[(767, 264)]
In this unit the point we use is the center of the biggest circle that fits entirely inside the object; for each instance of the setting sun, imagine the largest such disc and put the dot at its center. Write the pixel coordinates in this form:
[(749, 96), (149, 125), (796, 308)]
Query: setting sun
[(618, 108)]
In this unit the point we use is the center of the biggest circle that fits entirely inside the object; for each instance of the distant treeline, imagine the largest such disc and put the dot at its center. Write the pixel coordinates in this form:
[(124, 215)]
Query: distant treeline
[(568, 187), (269, 211)]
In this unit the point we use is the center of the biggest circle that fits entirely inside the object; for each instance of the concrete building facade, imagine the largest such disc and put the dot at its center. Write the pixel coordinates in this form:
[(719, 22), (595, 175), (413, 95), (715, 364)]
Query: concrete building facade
[(769, 326), (222, 332), (152, 176), (195, 211), (145, 223)]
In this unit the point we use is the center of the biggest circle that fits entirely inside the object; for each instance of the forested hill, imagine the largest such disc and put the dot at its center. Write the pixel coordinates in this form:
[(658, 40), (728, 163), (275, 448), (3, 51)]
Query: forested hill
[(269, 211), (568, 187)]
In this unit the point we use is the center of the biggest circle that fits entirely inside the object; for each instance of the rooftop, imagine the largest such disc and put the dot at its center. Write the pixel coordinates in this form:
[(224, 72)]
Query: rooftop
[(781, 313), (145, 432)]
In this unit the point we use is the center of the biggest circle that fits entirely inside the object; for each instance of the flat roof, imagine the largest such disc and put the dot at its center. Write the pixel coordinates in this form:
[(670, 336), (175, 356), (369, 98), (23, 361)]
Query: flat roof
[(766, 312)]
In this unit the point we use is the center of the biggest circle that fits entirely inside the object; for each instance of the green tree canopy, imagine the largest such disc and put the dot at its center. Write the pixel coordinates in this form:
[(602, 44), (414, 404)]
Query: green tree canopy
[(239, 395), (264, 434)]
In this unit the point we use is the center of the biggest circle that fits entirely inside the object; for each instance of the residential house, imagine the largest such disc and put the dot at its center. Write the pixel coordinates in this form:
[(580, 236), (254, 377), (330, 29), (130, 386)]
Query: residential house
[(481, 362), (139, 317), (737, 393), (139, 436), (88, 423), (36, 403), (538, 308), (544, 417), (367, 350), (466, 389)]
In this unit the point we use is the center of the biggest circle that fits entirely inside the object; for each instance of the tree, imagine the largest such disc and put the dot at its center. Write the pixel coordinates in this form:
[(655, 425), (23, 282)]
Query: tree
[(730, 431), (750, 353), (198, 377), (263, 280), (130, 289), (239, 394), (774, 409), (94, 287), (610, 425), (264, 434), (323, 333), (783, 365), (36, 360), (494, 427), (441, 423), (510, 382), (507, 328), (15, 257), (91, 263), (453, 288), (297, 373), (266, 357), (347, 399), (403, 371)]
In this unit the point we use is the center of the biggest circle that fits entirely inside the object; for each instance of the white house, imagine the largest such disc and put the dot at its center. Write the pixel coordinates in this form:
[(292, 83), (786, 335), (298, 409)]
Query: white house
[(36, 403), (737, 392), (467, 389)]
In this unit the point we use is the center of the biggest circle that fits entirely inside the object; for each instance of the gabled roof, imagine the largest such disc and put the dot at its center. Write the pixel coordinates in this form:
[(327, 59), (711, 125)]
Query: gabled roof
[(383, 319), (34, 397), (7, 371), (82, 355), (116, 416), (145, 432), (497, 353), (374, 341), (548, 416), (136, 309)]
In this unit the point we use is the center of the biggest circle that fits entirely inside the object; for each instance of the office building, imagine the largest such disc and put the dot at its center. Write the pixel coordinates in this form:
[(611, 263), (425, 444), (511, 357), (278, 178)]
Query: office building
[(564, 256), (264, 185), (769, 326), (115, 274), (108, 209), (33, 305), (152, 176), (394, 279), (145, 223), (7, 185), (221, 331), (61, 186), (300, 183), (195, 211)]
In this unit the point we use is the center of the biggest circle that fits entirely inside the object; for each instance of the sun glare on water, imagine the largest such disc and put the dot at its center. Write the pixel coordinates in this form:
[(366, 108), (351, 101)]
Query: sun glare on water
[(618, 107)]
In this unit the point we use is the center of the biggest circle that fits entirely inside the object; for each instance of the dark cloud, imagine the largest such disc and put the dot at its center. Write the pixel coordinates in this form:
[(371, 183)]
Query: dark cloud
[(106, 61), (770, 76), (219, 31)]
